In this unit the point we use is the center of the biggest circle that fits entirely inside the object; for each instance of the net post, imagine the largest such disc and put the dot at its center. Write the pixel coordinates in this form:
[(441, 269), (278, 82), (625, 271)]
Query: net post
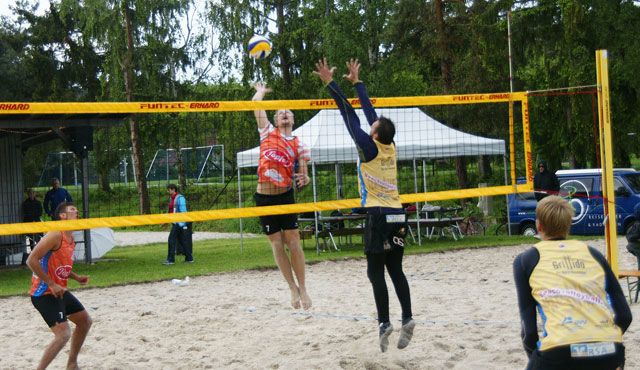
[(606, 155)]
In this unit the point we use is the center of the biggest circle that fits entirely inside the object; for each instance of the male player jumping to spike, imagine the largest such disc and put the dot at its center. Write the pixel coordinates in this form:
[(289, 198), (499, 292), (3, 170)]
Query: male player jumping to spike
[(386, 223), (279, 151)]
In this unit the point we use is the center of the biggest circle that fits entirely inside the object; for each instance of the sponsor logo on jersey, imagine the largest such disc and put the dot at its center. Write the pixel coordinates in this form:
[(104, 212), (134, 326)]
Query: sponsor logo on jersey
[(63, 272), (277, 156), (274, 174)]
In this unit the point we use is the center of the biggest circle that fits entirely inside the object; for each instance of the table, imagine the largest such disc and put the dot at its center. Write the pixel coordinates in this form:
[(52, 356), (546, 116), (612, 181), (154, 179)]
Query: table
[(329, 231), (444, 220)]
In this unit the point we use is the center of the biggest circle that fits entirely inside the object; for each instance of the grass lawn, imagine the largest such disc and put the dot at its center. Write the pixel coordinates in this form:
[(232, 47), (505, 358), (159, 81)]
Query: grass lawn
[(138, 264)]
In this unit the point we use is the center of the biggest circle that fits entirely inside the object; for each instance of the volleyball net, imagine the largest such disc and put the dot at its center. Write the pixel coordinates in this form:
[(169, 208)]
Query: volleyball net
[(449, 147)]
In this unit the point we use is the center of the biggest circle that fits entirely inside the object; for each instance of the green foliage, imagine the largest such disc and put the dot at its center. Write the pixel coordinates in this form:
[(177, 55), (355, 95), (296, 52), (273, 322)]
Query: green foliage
[(76, 51)]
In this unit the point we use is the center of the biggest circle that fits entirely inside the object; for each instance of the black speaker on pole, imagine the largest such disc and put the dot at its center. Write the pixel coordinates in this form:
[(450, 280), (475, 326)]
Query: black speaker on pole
[(80, 139)]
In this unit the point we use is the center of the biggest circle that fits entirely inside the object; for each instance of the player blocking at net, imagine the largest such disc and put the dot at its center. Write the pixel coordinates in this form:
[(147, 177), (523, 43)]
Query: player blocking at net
[(279, 153), (386, 223)]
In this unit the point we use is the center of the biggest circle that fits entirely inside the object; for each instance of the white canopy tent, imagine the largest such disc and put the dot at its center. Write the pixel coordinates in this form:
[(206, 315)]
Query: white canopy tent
[(418, 137)]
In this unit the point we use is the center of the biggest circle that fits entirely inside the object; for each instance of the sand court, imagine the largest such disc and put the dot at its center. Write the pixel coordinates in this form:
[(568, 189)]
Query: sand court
[(464, 303)]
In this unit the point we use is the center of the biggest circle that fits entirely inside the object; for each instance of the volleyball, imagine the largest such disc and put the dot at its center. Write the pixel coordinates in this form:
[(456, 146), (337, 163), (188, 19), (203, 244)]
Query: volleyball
[(259, 47)]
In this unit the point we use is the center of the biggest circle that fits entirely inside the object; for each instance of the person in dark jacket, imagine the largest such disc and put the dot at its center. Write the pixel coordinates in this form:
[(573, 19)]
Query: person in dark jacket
[(545, 182), (31, 212), (633, 235), (55, 196)]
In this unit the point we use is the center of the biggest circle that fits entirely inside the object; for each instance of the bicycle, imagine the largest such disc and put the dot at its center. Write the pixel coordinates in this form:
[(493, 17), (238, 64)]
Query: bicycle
[(471, 226), (501, 229)]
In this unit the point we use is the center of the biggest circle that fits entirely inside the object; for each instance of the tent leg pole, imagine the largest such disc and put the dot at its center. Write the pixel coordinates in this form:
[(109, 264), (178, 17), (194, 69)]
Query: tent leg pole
[(415, 190), (315, 199), (506, 182), (240, 206), (85, 205)]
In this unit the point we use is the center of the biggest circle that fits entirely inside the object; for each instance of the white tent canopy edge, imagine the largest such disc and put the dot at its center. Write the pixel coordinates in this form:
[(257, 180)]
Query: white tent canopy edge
[(418, 136)]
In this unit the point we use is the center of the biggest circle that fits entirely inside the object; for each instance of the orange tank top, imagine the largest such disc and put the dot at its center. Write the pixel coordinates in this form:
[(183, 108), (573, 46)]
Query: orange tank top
[(277, 158), (57, 264)]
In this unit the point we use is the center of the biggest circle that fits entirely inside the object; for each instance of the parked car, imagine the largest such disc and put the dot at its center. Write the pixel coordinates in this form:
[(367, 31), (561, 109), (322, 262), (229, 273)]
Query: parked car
[(583, 189)]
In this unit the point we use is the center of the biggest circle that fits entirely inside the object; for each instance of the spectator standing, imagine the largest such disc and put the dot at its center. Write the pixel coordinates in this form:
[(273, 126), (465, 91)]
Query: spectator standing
[(181, 233), (633, 235), (545, 182), (31, 212), (54, 197)]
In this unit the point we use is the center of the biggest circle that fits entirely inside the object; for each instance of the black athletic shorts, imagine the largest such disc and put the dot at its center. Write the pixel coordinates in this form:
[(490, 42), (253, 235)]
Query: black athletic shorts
[(55, 310), (384, 232), (560, 358), (276, 223)]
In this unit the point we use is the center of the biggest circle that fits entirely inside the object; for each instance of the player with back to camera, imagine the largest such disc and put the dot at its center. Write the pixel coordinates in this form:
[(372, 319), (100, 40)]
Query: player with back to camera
[(386, 223), (279, 152), (583, 310)]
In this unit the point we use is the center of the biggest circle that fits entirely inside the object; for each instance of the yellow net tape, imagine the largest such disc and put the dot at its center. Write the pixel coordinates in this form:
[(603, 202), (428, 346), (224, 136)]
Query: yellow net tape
[(138, 220), (228, 106)]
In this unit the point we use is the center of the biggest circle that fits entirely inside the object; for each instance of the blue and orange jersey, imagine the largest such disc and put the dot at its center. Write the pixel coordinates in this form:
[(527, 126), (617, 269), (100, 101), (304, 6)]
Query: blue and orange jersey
[(57, 264)]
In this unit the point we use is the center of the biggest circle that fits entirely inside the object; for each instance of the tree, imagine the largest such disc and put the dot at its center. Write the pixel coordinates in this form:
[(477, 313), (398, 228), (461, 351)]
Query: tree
[(140, 43)]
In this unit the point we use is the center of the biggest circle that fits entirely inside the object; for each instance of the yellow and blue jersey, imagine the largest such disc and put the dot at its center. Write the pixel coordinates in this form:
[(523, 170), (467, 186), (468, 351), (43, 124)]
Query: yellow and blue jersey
[(377, 179), (377, 167), (573, 290)]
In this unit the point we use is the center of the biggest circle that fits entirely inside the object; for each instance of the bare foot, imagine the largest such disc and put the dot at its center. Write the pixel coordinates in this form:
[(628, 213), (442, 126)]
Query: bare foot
[(305, 300), (72, 366), (295, 298)]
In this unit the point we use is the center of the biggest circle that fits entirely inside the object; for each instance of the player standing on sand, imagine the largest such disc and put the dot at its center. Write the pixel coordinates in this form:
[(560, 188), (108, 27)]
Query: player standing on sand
[(51, 262)]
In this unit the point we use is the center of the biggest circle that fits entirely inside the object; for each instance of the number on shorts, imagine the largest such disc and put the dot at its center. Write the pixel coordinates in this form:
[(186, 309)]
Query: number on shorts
[(398, 241), (61, 315)]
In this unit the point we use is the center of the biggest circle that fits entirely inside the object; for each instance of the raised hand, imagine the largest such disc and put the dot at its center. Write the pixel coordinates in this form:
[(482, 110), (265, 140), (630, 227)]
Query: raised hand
[(324, 71), (261, 90), (353, 66)]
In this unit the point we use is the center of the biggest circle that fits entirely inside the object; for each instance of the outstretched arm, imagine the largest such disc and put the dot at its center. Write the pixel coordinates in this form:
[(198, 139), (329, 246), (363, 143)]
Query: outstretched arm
[(353, 66), (366, 147), (261, 115)]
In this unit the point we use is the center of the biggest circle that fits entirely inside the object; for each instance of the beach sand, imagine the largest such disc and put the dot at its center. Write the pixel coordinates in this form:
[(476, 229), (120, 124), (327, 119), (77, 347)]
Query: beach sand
[(464, 303)]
